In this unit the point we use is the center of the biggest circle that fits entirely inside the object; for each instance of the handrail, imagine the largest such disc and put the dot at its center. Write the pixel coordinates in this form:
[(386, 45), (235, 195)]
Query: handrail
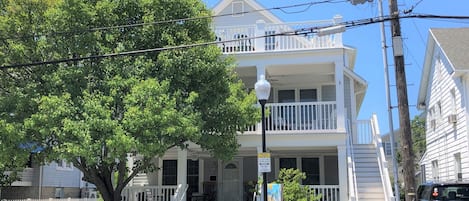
[(353, 193), (180, 194), (382, 163)]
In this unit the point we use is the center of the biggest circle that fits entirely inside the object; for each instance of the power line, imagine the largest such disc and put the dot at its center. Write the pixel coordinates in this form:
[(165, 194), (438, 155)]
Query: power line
[(90, 30), (302, 31)]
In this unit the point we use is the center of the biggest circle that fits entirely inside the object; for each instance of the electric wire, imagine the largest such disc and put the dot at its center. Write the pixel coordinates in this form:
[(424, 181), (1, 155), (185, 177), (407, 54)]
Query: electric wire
[(180, 20), (302, 31)]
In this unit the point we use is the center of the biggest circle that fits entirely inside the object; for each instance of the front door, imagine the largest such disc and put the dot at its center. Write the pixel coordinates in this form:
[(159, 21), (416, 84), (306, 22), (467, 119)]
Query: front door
[(231, 181)]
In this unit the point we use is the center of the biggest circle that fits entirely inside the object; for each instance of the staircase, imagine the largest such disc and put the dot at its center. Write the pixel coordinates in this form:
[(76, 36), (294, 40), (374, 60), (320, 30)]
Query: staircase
[(369, 183), (140, 180)]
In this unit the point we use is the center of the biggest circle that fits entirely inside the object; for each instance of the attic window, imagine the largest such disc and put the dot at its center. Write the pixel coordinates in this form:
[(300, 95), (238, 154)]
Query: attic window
[(237, 8)]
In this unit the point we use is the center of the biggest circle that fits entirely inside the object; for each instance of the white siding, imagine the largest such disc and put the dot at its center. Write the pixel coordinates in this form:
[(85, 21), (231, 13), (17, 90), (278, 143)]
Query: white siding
[(445, 139), (246, 19), (54, 176)]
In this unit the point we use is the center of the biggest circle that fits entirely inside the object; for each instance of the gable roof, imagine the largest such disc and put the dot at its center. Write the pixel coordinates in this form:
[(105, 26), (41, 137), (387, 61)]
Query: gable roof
[(225, 3), (454, 44)]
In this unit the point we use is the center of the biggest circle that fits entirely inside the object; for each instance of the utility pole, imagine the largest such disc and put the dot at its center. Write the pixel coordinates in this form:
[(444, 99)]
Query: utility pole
[(388, 101), (407, 152)]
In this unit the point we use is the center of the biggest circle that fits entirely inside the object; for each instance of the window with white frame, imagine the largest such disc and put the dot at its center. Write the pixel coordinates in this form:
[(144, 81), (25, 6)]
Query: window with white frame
[(64, 165), (170, 172), (435, 171), (423, 172), (457, 167)]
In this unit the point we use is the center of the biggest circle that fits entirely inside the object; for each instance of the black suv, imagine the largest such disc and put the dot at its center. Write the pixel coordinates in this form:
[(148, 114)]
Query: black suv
[(443, 192)]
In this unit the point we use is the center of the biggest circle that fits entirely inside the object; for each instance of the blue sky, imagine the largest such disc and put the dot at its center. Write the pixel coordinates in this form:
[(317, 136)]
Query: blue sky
[(367, 41)]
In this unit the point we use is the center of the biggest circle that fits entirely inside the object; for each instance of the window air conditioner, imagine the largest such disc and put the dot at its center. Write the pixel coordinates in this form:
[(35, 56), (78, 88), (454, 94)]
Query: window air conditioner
[(452, 119)]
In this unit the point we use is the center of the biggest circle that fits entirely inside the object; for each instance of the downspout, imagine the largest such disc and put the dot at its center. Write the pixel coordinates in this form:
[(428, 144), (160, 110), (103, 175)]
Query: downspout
[(40, 181)]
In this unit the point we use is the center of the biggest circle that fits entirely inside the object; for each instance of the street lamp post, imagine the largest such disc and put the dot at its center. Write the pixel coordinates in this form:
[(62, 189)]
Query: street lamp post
[(262, 88)]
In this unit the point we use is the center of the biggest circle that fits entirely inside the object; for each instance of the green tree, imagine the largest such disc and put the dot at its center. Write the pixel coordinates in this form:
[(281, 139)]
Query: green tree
[(13, 155), (291, 187), (96, 112), (418, 135)]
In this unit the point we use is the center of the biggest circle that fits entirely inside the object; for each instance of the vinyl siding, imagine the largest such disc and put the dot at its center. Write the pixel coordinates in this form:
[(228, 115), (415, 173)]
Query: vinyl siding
[(58, 177), (445, 139)]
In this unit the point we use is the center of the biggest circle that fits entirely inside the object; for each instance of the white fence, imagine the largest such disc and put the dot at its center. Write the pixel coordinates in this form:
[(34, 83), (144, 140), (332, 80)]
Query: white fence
[(53, 199), (327, 192)]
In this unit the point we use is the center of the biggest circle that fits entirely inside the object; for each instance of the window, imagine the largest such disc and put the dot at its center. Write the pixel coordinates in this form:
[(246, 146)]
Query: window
[(193, 175), (64, 165), (170, 172), (387, 148), (310, 166), (308, 95), (457, 167), (423, 175), (269, 40), (287, 163), (237, 8), (59, 192), (435, 170), (453, 101)]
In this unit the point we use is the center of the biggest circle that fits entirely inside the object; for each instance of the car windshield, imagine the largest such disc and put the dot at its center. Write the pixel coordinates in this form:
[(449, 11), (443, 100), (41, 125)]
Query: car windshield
[(451, 192)]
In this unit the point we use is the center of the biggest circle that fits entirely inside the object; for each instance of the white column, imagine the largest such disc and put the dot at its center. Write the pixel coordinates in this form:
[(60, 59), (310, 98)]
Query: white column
[(338, 36), (260, 31), (130, 163), (182, 166), (339, 94), (343, 176), (160, 171)]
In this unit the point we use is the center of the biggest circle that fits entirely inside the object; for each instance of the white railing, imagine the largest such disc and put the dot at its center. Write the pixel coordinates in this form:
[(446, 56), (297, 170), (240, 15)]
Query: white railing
[(54, 199), (327, 192), (352, 177), (263, 36), (304, 116), (149, 193), (363, 133), (388, 192)]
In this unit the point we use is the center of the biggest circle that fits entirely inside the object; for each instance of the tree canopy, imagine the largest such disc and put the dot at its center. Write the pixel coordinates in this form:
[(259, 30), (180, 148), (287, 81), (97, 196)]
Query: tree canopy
[(95, 112)]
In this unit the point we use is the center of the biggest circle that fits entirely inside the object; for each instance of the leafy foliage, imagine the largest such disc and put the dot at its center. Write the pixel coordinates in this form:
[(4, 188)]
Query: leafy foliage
[(292, 190), (95, 112), (417, 126)]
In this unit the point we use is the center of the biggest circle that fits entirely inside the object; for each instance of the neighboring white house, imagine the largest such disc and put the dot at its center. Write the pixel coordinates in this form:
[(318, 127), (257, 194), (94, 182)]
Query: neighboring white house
[(55, 180), (312, 125), (444, 95)]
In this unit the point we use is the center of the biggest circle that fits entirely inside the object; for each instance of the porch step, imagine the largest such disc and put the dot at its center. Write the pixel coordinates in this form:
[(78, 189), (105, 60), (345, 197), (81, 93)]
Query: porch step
[(369, 184)]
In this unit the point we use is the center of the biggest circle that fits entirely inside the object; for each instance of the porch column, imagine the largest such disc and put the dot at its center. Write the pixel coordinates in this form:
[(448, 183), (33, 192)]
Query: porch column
[(339, 94), (182, 166), (343, 176)]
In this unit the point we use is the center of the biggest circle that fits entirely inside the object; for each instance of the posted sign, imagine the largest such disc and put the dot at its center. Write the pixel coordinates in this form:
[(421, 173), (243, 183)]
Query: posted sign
[(263, 162)]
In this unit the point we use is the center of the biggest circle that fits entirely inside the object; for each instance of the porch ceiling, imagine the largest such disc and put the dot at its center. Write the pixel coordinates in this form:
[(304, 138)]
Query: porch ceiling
[(282, 75)]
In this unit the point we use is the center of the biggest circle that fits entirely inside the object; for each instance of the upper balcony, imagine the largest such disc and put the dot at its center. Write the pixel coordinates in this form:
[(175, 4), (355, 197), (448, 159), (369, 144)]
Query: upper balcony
[(301, 117), (268, 37)]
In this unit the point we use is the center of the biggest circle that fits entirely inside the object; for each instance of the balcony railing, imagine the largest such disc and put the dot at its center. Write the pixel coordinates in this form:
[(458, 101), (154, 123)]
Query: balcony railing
[(303, 116), (262, 37)]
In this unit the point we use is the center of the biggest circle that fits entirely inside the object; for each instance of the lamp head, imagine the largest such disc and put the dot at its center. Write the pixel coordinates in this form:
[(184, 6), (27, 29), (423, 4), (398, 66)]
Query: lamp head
[(262, 88)]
